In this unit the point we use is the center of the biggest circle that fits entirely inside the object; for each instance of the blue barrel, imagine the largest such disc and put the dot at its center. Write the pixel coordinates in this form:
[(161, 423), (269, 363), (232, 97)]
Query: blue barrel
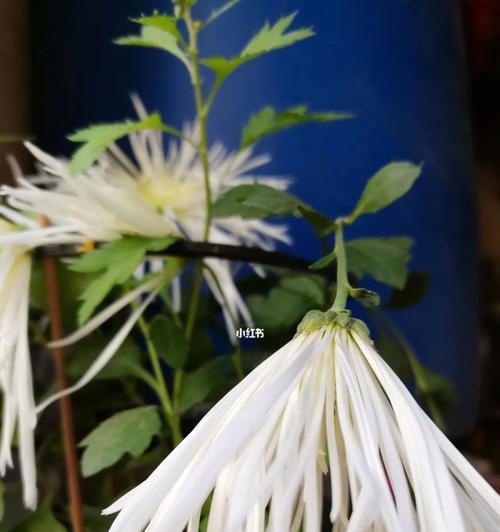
[(397, 64)]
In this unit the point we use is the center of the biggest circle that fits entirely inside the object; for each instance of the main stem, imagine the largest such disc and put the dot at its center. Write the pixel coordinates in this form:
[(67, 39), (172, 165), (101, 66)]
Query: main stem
[(342, 279), (202, 113), (202, 110)]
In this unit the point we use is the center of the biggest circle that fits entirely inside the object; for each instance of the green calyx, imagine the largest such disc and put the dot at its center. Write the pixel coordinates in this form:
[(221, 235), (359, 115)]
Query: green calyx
[(315, 320)]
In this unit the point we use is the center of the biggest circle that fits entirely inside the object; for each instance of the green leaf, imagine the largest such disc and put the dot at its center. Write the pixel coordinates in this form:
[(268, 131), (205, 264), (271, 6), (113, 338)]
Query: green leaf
[(269, 38), (170, 341), (285, 304), (81, 355), (436, 390), (412, 293), (95, 521), (117, 260), (311, 287), (275, 37), (255, 201), (152, 36), (267, 121), (324, 261), (394, 353), (98, 137), (366, 296), (321, 224), (130, 431), (384, 259), (216, 13), (162, 22), (200, 383), (40, 521), (388, 185)]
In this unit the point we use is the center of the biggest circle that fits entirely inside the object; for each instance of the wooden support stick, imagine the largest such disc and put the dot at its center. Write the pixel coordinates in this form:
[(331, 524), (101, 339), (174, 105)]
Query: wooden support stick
[(70, 457)]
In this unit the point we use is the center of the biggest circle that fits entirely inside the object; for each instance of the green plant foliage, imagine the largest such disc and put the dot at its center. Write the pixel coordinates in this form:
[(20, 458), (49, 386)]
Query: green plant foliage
[(268, 121), (95, 139), (388, 185), (412, 293), (162, 22), (285, 304), (130, 431), (170, 341), (42, 520), (269, 38), (200, 383), (324, 261), (152, 35), (123, 364), (384, 259), (321, 224), (115, 262), (216, 13), (255, 201)]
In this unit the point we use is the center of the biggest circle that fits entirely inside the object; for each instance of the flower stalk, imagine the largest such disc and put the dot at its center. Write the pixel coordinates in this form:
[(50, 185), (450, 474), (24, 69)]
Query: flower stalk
[(342, 291)]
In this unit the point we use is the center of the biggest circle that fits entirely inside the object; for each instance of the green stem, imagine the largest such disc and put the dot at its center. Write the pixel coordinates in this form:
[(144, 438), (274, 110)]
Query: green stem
[(342, 292), (171, 417), (202, 111)]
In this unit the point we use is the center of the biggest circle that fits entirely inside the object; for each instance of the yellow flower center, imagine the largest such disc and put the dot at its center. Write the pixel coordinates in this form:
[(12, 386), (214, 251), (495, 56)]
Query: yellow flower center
[(166, 193)]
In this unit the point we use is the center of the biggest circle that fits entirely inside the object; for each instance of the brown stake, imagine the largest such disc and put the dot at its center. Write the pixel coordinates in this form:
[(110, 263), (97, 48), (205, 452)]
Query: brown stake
[(70, 458)]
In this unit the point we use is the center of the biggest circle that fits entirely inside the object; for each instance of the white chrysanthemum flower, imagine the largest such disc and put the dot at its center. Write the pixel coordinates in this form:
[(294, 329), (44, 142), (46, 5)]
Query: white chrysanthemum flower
[(18, 410), (17, 238), (324, 402), (155, 194)]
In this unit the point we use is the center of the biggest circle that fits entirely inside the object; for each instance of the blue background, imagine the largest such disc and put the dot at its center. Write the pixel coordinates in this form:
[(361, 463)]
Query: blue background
[(397, 64)]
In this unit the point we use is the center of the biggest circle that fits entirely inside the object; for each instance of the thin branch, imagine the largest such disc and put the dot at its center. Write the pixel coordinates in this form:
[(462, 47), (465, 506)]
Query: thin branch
[(199, 250)]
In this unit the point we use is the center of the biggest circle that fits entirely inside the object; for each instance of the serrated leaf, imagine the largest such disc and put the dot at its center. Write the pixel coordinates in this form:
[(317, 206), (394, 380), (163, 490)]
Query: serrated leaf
[(162, 22), (117, 260), (154, 37), (255, 201), (216, 13), (384, 259), (275, 37), (128, 432), (269, 38), (81, 355), (200, 383), (267, 121), (170, 341), (97, 138), (388, 185), (413, 292), (42, 520), (281, 308)]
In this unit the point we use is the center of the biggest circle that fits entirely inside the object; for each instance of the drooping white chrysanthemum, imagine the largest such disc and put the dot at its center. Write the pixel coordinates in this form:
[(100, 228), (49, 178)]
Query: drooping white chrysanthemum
[(18, 411), (18, 235), (154, 194), (325, 402)]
